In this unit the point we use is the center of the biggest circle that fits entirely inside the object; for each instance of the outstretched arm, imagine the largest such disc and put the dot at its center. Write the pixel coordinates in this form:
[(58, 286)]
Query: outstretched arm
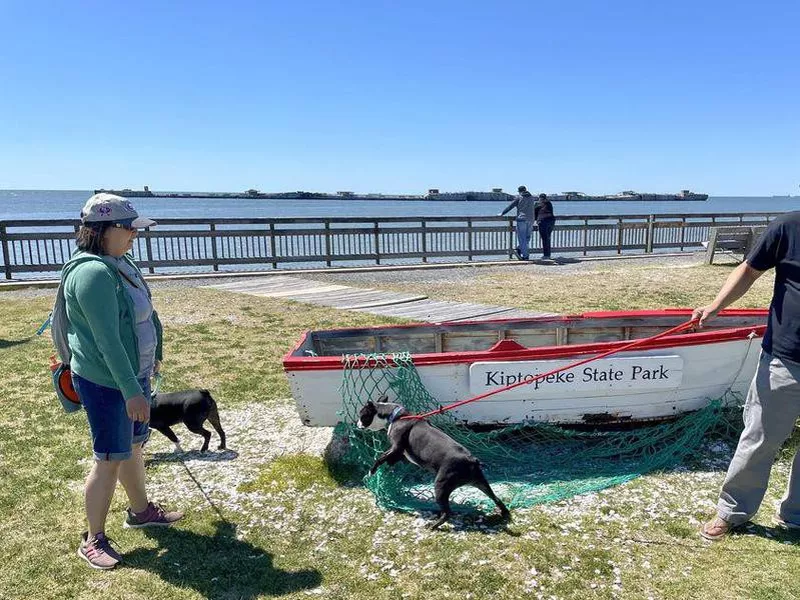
[(510, 206), (738, 282)]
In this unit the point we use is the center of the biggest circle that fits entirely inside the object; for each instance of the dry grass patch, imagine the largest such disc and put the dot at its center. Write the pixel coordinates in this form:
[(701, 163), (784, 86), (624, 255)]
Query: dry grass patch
[(612, 286)]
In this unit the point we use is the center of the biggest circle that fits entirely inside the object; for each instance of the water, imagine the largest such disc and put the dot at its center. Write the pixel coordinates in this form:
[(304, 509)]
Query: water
[(57, 204)]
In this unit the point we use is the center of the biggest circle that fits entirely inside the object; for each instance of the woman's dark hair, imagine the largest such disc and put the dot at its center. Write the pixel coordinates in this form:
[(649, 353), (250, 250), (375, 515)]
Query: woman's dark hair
[(90, 237)]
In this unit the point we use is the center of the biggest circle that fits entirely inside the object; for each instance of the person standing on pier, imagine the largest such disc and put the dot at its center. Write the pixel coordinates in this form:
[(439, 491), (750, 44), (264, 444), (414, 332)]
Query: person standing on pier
[(545, 220), (524, 204)]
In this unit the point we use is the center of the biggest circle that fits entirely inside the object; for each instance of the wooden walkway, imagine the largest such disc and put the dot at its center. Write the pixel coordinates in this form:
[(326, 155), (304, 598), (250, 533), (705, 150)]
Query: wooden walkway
[(392, 304)]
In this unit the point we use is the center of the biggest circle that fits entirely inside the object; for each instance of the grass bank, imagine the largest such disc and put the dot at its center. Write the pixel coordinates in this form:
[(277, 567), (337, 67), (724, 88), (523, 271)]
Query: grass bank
[(268, 519)]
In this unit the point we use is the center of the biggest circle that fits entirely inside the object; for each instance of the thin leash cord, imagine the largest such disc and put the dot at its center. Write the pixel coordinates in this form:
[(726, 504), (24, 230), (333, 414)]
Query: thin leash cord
[(635, 343), (205, 495)]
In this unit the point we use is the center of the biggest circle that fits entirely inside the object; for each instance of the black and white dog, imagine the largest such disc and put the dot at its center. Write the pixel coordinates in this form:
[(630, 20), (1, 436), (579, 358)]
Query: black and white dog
[(193, 408), (430, 448)]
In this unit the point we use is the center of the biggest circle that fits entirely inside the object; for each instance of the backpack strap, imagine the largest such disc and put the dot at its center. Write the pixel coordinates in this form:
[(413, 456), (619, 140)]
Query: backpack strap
[(58, 326)]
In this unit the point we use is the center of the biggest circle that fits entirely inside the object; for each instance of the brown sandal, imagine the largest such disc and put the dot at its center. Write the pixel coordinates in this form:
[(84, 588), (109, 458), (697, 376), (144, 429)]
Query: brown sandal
[(716, 529)]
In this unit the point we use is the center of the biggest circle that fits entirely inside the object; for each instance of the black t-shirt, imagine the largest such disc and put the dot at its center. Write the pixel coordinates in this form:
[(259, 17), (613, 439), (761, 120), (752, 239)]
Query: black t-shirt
[(779, 247)]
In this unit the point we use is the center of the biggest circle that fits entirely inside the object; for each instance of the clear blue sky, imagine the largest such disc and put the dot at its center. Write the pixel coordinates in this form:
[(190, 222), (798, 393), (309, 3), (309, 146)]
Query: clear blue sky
[(401, 96)]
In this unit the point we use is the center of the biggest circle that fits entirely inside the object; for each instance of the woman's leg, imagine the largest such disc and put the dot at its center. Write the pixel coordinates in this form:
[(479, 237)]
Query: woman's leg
[(545, 231), (99, 490), (131, 476)]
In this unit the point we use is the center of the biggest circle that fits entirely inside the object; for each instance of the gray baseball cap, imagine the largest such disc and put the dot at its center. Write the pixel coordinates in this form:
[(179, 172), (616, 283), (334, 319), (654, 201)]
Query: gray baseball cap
[(104, 207)]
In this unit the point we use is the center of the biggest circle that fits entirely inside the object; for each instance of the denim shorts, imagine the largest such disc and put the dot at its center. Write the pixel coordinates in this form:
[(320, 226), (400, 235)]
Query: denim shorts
[(113, 433)]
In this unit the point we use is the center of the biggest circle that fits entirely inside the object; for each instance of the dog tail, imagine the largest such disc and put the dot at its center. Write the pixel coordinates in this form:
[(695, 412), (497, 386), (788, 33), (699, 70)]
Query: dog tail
[(213, 418)]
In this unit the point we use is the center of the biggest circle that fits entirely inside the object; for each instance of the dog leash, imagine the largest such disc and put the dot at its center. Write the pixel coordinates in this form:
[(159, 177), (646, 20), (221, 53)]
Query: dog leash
[(636, 343)]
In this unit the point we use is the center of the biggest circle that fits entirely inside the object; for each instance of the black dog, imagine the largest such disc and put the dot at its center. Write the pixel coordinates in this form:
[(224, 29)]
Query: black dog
[(192, 407), (432, 449)]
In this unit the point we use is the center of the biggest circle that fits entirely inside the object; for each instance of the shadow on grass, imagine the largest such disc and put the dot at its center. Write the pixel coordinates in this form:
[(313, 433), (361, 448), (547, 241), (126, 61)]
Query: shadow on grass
[(11, 343), (777, 534), (217, 565), (174, 457)]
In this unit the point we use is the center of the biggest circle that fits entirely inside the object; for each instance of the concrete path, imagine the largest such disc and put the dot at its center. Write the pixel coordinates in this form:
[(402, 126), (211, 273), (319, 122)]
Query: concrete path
[(394, 304)]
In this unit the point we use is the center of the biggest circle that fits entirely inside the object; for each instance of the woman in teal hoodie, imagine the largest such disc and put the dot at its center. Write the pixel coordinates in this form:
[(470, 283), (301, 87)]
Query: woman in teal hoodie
[(114, 339)]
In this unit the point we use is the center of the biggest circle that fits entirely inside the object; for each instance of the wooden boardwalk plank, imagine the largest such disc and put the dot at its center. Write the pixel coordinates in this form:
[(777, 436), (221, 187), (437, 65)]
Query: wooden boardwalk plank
[(380, 302)]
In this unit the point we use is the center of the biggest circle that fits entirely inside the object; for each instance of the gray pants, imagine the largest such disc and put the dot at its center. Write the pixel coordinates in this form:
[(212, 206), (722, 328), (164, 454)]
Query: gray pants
[(770, 412)]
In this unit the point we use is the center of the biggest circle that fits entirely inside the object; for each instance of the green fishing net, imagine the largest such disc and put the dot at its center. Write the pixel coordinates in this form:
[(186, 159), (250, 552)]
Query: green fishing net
[(526, 464)]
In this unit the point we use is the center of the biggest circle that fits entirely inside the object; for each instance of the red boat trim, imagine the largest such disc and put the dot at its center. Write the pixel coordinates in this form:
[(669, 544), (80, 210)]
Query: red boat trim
[(314, 363)]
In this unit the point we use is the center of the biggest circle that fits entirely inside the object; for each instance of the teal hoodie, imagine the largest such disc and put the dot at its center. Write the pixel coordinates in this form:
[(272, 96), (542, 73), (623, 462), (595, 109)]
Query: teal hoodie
[(101, 328)]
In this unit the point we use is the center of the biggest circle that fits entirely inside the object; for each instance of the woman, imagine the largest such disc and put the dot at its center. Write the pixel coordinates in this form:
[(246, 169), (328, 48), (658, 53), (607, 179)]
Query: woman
[(546, 220), (114, 339)]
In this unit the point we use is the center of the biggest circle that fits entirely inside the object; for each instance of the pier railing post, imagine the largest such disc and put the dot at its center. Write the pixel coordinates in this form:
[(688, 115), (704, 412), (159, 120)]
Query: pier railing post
[(6, 258), (148, 244), (510, 237), (649, 241), (469, 239), (377, 238), (273, 245), (683, 232), (213, 227), (424, 242), (327, 242), (585, 236), (619, 236)]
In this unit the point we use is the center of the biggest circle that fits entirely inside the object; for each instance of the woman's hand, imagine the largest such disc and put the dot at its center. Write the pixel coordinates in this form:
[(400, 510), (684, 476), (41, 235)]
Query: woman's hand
[(138, 409), (157, 367)]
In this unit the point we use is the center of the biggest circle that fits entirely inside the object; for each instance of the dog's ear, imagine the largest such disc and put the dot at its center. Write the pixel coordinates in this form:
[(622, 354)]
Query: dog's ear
[(383, 398)]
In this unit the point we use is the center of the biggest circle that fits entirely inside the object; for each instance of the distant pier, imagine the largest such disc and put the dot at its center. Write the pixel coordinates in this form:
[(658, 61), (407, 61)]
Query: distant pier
[(433, 195)]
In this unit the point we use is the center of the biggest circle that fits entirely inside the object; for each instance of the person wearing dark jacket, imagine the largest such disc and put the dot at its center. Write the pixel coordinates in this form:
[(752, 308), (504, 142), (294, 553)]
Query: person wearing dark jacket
[(524, 222), (546, 220)]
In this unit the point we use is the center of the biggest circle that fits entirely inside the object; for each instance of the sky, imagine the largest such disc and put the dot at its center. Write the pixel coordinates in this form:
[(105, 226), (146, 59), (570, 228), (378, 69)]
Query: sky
[(399, 97)]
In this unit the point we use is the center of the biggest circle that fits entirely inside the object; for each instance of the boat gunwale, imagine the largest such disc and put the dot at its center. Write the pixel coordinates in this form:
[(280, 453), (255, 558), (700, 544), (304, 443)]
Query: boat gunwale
[(293, 363)]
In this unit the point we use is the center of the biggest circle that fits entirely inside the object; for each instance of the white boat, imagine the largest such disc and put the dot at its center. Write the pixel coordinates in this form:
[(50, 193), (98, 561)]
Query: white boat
[(455, 361)]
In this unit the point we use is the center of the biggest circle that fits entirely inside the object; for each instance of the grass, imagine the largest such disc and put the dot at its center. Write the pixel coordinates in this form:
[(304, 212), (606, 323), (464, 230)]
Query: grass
[(611, 286), (278, 523)]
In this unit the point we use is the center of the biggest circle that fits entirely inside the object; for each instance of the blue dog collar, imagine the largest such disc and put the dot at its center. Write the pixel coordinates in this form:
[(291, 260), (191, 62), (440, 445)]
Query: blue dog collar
[(394, 415)]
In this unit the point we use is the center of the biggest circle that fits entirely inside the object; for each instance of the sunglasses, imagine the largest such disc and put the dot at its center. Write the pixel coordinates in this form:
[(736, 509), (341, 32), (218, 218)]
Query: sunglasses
[(126, 225)]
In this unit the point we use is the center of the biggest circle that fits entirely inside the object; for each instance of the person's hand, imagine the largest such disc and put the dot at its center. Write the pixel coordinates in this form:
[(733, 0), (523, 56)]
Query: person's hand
[(138, 409), (157, 367), (704, 313)]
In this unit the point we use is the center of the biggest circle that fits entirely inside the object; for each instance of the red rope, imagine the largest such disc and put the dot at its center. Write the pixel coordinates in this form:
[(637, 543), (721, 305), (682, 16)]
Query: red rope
[(635, 343)]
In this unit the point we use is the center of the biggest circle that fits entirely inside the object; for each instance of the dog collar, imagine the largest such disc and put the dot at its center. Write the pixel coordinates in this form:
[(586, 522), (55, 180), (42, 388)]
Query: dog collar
[(393, 416)]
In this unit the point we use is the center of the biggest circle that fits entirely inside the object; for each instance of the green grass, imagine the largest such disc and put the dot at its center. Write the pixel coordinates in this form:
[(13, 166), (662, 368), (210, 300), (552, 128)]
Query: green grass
[(291, 526)]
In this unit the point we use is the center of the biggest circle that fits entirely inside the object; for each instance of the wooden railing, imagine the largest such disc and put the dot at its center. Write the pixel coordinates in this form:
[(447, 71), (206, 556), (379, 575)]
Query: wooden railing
[(37, 246)]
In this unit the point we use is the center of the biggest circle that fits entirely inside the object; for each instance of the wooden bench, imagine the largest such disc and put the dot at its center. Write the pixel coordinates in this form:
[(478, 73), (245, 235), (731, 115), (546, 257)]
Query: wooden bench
[(732, 239)]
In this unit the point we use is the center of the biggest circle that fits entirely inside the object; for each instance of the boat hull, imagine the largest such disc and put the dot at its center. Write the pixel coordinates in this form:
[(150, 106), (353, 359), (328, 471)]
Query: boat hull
[(639, 385)]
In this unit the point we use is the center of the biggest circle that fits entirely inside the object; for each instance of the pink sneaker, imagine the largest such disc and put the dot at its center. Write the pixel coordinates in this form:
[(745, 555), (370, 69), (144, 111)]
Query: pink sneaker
[(98, 552), (153, 515)]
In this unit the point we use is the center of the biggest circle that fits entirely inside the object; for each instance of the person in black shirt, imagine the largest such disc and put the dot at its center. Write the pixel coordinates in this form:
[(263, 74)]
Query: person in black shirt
[(773, 400), (546, 220)]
